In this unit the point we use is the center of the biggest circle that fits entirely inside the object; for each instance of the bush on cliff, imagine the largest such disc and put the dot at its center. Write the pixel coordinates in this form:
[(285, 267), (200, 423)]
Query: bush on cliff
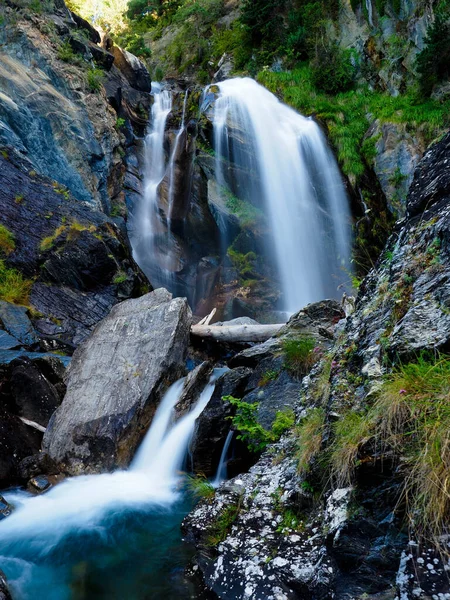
[(433, 63)]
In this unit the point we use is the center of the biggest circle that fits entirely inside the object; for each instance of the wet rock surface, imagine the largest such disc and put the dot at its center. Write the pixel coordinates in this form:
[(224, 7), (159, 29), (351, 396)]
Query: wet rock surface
[(280, 531), (115, 381), (78, 258)]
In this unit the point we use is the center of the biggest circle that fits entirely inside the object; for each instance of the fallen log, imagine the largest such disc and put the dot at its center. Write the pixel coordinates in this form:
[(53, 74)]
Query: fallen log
[(236, 333)]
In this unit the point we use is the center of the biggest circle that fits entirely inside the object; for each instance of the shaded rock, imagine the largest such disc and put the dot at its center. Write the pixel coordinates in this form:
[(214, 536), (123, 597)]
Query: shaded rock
[(212, 426), (273, 388), (16, 322), (8, 341), (7, 356), (193, 387), (34, 397), (102, 57), (431, 182), (40, 463), (5, 510), (398, 153), (422, 573), (133, 69), (74, 277), (81, 23), (258, 557), (116, 380), (4, 592), (39, 484), (317, 319), (17, 441), (250, 357)]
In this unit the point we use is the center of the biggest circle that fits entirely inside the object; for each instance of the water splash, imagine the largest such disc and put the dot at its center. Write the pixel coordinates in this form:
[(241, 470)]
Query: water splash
[(221, 474), (45, 532), (282, 158)]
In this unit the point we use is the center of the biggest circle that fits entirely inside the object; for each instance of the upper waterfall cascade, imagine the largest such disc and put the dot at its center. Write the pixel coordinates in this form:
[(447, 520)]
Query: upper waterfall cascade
[(283, 160), (145, 226)]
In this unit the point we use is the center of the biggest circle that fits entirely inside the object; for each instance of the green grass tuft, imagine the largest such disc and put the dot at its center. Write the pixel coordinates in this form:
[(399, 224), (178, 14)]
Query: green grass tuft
[(199, 487), (299, 355), (14, 287), (7, 242)]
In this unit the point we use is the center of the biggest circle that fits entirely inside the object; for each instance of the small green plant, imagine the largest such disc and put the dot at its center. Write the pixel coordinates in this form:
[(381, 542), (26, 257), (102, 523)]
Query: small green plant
[(71, 231), (223, 524), (290, 522), (120, 277), (13, 286), (49, 241), (250, 431), (66, 54), (120, 122), (199, 487), (60, 189), (19, 199), (94, 79), (268, 376), (7, 242), (299, 355)]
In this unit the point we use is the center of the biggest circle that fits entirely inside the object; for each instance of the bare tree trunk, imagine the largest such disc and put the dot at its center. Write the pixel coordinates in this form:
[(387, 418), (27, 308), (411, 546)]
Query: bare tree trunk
[(236, 333)]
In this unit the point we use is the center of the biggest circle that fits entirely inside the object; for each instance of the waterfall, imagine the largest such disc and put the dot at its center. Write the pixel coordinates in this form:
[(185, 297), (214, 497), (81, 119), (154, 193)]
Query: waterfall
[(145, 223), (282, 160), (41, 528), (369, 12), (222, 468), (173, 157)]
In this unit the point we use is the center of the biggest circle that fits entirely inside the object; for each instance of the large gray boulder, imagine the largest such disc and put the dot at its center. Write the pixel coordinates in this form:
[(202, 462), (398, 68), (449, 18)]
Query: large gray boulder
[(115, 382)]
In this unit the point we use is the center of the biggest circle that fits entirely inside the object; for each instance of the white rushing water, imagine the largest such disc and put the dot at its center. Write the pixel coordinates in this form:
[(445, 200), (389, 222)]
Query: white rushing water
[(173, 157), (284, 160), (38, 524), (145, 220), (221, 474)]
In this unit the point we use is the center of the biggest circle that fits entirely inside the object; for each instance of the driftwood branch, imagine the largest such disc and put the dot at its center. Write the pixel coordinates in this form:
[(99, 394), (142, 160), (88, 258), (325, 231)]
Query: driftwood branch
[(207, 320), (236, 333)]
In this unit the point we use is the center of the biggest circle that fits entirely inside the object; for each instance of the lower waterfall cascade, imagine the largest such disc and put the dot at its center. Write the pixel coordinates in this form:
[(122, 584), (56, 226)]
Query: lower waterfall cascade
[(52, 542)]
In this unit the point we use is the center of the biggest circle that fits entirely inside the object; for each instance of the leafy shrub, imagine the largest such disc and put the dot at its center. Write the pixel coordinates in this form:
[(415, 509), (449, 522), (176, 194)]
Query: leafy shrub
[(66, 54), (250, 431), (94, 79), (333, 70), (433, 63)]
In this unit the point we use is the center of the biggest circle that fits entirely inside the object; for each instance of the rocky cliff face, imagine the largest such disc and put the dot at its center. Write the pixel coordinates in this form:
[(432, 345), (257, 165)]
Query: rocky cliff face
[(294, 528), (71, 117)]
